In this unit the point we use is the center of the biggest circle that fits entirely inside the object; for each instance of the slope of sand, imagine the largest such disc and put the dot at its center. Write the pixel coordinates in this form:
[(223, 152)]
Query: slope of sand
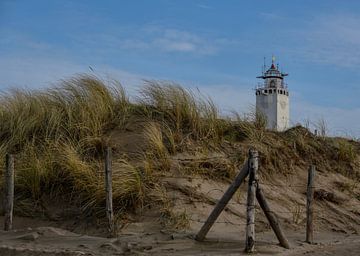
[(337, 223), (336, 218)]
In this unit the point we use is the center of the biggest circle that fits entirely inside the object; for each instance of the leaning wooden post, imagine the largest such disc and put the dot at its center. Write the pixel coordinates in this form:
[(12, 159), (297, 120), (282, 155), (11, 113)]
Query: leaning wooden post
[(222, 203), (309, 205), (271, 217), (9, 192), (108, 189), (250, 211)]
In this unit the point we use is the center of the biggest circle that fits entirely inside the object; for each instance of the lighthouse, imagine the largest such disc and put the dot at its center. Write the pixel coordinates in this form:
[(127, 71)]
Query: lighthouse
[(272, 98)]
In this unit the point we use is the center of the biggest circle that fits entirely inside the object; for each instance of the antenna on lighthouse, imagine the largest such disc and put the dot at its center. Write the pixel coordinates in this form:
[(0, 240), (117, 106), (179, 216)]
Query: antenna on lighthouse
[(264, 66)]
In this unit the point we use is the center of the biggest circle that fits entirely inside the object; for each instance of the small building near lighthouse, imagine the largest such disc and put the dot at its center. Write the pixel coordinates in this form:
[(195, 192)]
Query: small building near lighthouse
[(272, 98)]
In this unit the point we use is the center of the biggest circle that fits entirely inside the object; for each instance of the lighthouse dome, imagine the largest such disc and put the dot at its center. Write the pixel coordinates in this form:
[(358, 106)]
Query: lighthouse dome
[(273, 72)]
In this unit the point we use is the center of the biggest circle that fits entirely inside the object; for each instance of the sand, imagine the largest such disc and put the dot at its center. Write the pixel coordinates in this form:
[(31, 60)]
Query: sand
[(337, 224), (55, 241)]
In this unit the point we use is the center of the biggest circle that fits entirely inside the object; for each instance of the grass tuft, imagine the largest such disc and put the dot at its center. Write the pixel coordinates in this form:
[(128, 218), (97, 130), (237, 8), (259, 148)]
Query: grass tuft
[(183, 112)]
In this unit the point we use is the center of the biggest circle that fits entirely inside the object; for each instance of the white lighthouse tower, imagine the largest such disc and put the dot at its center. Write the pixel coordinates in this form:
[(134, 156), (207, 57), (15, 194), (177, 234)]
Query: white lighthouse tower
[(272, 98)]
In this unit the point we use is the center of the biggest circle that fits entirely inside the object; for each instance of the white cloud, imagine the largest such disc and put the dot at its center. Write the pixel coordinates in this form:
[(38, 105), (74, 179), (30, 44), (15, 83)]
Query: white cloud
[(182, 41), (204, 6), (229, 97), (34, 73), (270, 15), (330, 40), (175, 46), (155, 38), (340, 121)]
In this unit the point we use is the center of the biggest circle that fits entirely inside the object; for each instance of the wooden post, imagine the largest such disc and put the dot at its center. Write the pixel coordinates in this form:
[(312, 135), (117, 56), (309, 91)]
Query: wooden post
[(108, 189), (250, 211), (222, 203), (9, 192), (309, 205), (271, 217)]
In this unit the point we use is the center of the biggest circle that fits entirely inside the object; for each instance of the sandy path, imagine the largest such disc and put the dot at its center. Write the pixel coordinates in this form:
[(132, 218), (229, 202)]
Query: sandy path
[(53, 241)]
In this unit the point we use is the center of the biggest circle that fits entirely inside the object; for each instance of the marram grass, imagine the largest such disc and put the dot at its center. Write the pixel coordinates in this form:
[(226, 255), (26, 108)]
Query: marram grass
[(59, 135)]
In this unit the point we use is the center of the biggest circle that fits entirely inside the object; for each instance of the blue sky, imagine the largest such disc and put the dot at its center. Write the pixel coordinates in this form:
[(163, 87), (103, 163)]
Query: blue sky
[(216, 46)]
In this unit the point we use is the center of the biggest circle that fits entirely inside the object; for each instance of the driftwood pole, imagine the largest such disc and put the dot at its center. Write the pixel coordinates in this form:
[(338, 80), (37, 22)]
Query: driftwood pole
[(250, 211), (9, 192), (271, 217), (222, 203), (309, 205), (108, 189)]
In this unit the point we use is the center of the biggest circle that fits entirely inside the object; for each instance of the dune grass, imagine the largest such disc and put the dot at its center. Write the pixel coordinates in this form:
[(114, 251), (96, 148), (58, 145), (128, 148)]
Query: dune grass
[(59, 135), (183, 111)]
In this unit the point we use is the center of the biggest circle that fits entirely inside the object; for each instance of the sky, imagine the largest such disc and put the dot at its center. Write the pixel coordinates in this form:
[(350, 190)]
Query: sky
[(215, 46)]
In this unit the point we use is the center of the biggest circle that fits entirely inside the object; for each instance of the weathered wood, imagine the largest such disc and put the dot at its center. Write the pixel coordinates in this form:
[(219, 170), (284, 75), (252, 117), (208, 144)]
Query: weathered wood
[(108, 189), (271, 217), (309, 205), (250, 211), (9, 192), (221, 204)]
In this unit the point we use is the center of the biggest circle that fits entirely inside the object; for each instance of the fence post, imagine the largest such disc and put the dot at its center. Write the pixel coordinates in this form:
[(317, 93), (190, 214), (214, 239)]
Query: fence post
[(250, 218), (271, 217), (108, 189), (309, 205), (222, 203), (9, 192)]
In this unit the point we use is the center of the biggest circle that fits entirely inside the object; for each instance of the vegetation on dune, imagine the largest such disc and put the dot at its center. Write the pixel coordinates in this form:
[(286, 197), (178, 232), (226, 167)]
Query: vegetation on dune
[(182, 111), (59, 135)]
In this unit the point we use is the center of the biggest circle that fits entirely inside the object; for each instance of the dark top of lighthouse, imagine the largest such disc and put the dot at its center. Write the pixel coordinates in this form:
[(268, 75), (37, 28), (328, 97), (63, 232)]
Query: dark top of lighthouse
[(272, 72)]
